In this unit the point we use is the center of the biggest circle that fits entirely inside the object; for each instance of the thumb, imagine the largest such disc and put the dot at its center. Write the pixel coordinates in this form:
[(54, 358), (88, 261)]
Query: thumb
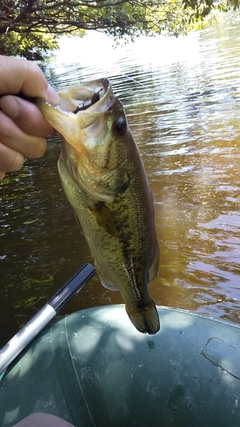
[(19, 75)]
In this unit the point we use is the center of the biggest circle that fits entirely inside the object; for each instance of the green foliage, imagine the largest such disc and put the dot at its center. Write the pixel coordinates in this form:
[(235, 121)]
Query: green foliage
[(33, 46), (30, 27)]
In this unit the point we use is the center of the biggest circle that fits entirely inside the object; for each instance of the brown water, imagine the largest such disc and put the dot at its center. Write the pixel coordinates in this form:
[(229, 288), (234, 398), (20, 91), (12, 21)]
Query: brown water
[(182, 98)]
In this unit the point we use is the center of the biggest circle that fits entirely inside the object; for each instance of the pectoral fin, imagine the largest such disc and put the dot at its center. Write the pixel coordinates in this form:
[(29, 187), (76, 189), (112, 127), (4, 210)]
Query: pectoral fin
[(105, 218), (78, 222)]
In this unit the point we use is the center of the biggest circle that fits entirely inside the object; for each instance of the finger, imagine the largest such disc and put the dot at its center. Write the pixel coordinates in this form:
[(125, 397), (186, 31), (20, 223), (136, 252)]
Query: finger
[(10, 160), (26, 116), (19, 75), (28, 145)]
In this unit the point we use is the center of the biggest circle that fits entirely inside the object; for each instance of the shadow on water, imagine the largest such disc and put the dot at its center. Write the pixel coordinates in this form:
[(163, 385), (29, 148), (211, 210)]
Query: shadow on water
[(182, 100)]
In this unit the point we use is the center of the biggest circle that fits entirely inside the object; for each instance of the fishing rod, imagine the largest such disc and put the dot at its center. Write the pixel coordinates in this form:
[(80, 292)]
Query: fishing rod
[(32, 328)]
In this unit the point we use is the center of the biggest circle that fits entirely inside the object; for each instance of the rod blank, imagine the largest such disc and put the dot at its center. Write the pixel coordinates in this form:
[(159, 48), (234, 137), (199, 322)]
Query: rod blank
[(32, 328)]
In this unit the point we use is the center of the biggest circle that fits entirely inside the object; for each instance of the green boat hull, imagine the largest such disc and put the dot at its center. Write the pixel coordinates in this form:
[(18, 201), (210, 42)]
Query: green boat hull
[(93, 368)]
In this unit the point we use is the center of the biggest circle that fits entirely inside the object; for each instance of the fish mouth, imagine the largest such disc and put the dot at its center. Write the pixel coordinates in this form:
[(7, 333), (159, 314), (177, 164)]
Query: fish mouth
[(145, 320), (79, 108), (82, 119), (96, 97)]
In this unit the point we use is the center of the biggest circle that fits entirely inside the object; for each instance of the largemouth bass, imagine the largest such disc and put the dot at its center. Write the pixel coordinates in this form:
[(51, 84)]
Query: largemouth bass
[(104, 180)]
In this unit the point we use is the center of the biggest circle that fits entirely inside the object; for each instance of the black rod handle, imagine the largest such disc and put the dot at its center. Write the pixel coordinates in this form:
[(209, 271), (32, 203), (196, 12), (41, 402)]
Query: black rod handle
[(23, 337), (71, 288)]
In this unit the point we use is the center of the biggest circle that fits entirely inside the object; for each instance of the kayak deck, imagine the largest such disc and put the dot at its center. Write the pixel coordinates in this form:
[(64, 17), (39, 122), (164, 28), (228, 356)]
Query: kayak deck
[(93, 368)]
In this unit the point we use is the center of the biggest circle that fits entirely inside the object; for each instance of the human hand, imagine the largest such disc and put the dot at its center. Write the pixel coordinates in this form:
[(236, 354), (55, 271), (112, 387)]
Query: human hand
[(23, 129)]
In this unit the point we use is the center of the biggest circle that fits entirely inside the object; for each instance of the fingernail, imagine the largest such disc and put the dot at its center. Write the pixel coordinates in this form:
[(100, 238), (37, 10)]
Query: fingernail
[(52, 96), (2, 174)]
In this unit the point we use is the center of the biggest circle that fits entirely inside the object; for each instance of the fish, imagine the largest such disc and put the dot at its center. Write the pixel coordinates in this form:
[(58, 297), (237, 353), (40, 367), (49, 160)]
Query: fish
[(104, 180)]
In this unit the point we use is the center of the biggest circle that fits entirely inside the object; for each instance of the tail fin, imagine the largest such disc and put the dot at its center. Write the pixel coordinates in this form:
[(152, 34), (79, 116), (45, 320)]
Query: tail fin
[(145, 320)]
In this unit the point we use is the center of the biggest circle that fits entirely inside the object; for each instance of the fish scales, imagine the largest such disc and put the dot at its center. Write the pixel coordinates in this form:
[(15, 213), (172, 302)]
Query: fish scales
[(105, 183)]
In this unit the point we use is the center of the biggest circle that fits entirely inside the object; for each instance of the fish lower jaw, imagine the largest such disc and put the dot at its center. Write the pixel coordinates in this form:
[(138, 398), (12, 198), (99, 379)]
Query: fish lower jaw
[(145, 320)]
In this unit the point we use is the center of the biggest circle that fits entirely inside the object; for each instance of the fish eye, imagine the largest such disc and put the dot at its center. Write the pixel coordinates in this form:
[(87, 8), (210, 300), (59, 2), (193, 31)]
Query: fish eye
[(120, 126)]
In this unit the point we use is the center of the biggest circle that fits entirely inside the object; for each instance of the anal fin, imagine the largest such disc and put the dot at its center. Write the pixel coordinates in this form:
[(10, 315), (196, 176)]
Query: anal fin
[(107, 284)]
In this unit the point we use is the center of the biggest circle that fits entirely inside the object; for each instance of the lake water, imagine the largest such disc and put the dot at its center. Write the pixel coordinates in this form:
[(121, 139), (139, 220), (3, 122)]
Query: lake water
[(182, 98)]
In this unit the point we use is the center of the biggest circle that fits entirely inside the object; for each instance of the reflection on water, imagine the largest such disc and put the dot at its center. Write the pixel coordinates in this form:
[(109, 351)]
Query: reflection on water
[(182, 97)]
